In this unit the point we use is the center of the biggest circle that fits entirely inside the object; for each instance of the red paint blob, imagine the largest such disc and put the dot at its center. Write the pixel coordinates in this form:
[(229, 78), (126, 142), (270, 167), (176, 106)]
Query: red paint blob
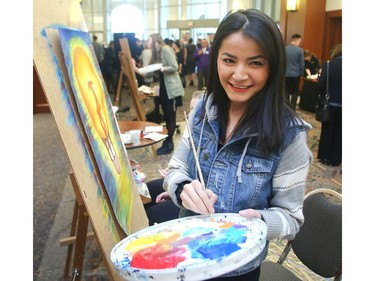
[(158, 257)]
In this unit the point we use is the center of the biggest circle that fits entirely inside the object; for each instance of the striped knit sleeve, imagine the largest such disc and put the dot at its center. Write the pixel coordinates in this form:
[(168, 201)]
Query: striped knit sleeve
[(178, 170), (284, 216)]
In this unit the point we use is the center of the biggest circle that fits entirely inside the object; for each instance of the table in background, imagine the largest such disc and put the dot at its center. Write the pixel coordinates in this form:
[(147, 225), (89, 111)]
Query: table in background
[(309, 93), (126, 126)]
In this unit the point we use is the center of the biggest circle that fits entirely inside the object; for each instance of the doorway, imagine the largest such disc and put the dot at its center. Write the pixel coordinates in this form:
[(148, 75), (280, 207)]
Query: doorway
[(332, 32)]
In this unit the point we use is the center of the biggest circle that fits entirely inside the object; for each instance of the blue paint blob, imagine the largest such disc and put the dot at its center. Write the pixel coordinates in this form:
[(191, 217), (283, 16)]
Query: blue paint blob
[(216, 246), (217, 251), (197, 231)]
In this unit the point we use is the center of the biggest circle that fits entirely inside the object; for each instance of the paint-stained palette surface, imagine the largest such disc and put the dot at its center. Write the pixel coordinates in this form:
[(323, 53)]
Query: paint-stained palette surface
[(191, 248)]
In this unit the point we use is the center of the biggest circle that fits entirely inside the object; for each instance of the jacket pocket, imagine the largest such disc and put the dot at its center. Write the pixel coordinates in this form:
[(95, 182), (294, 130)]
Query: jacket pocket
[(252, 164)]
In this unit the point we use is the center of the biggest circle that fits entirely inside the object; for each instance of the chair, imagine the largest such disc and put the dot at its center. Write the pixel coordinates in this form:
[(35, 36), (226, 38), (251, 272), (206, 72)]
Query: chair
[(318, 244)]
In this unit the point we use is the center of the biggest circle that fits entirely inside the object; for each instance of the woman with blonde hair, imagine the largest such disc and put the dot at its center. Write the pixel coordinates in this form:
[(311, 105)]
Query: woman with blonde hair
[(170, 91)]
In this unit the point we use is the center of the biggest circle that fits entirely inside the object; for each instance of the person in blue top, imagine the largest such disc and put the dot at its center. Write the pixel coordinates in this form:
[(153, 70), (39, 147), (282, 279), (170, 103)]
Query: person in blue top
[(202, 56), (295, 67), (251, 145)]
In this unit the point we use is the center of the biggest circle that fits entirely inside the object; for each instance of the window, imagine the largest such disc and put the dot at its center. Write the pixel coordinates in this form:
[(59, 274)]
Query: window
[(127, 18)]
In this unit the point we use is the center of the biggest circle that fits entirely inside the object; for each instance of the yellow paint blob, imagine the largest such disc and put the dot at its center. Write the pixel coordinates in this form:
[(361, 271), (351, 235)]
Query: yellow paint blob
[(142, 242)]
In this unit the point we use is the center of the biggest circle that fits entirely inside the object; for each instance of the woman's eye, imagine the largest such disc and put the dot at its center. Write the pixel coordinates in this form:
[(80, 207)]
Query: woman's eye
[(256, 63), (228, 60)]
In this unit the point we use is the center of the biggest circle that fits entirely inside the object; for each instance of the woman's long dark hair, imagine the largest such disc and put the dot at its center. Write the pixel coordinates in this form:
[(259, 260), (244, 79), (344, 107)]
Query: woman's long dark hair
[(268, 113)]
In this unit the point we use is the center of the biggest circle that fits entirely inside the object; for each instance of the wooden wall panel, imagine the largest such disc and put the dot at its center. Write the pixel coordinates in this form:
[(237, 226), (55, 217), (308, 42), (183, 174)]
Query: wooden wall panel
[(332, 32), (314, 27), (295, 22), (40, 104)]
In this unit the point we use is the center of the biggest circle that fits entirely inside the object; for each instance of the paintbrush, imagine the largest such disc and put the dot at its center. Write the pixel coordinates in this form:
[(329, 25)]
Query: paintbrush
[(196, 157)]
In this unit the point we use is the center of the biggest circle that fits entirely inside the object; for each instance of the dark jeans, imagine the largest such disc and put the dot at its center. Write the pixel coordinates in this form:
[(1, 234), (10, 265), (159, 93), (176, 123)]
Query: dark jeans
[(202, 79), (163, 211), (169, 111), (251, 276), (330, 142), (110, 76), (292, 90), (169, 108)]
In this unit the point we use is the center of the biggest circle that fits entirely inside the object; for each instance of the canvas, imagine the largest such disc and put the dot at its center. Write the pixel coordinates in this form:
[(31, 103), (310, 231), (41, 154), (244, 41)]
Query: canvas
[(95, 110), (50, 67)]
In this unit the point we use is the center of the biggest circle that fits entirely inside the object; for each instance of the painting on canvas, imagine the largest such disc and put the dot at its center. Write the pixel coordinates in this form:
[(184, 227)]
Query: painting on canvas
[(95, 110)]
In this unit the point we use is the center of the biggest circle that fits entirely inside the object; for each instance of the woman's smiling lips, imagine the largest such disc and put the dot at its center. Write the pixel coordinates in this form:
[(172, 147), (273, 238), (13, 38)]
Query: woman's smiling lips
[(239, 88)]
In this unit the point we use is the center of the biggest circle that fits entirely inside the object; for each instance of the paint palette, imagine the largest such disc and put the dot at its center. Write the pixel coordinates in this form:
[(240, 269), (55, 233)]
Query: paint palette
[(191, 248), (151, 68)]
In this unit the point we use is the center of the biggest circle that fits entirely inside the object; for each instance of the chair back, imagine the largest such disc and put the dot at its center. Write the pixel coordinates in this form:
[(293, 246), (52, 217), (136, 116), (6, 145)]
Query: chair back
[(319, 242)]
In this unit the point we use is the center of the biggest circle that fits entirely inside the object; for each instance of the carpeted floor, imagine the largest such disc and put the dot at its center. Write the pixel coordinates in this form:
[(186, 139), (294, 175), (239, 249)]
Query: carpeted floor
[(54, 197)]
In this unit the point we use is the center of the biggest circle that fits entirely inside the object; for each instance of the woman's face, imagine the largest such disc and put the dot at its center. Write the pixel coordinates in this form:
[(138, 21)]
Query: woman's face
[(242, 67)]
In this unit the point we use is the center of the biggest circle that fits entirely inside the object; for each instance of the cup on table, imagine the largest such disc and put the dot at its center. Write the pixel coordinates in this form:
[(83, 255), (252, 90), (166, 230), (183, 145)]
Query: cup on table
[(135, 136)]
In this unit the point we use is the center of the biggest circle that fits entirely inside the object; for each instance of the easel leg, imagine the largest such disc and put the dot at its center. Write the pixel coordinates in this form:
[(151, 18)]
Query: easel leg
[(118, 91), (78, 232), (78, 236), (70, 246), (80, 244)]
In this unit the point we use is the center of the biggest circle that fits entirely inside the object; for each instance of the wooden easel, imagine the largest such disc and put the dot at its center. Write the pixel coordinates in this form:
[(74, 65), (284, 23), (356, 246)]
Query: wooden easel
[(127, 70), (93, 204), (78, 235)]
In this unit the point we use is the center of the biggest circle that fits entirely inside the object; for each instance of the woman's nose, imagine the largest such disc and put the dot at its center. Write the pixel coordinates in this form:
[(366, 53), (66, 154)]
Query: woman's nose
[(240, 74)]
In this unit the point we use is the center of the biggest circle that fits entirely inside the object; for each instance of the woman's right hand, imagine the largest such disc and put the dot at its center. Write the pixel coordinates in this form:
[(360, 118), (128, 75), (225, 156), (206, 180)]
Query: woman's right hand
[(136, 69), (197, 199), (163, 172)]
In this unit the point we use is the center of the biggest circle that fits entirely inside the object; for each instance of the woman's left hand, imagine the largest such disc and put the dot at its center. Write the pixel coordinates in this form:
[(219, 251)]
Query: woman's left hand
[(250, 213), (164, 196)]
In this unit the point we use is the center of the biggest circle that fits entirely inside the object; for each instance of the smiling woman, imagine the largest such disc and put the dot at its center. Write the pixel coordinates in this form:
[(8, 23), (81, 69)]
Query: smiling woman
[(251, 145)]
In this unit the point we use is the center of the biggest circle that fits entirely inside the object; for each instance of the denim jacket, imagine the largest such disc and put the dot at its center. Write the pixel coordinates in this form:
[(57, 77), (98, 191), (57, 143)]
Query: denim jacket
[(242, 177)]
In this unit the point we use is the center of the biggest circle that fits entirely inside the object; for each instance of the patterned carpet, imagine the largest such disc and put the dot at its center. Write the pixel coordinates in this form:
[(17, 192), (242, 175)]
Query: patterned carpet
[(52, 193)]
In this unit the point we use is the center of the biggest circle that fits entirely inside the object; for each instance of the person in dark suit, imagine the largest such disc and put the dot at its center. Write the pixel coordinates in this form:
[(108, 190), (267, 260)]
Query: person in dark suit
[(312, 64), (330, 142), (109, 67), (189, 61)]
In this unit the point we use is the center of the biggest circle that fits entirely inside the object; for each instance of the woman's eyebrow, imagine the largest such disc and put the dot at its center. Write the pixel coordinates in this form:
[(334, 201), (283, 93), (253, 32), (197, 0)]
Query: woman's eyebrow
[(249, 58)]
